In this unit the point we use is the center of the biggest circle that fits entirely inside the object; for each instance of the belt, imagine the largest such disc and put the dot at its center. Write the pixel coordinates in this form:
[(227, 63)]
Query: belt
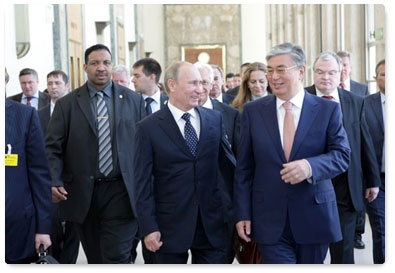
[(107, 179)]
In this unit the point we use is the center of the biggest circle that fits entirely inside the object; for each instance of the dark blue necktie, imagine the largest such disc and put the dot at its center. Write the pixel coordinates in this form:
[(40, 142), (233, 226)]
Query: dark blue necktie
[(191, 138), (148, 108)]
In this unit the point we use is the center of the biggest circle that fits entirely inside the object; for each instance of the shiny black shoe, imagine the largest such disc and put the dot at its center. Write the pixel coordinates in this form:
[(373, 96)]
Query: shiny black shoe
[(359, 244)]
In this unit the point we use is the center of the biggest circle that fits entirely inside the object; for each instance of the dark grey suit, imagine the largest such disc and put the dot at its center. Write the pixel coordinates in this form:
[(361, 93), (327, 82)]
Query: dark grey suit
[(43, 99), (349, 186), (72, 150)]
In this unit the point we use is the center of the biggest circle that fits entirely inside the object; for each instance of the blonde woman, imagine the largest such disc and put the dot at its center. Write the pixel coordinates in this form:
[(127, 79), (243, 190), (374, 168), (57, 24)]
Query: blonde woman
[(253, 85)]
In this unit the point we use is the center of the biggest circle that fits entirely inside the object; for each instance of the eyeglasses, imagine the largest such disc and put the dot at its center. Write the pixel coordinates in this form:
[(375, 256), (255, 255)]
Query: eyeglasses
[(280, 70), (331, 73)]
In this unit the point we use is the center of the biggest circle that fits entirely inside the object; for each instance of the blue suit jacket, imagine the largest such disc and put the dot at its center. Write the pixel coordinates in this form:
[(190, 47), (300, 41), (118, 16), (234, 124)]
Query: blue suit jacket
[(172, 186), (374, 118), (359, 88), (27, 186), (363, 165), (264, 198)]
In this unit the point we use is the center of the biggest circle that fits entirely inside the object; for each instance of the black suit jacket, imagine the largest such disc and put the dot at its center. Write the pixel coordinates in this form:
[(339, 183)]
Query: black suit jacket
[(43, 99), (374, 118), (45, 114), (363, 165), (231, 120), (72, 148)]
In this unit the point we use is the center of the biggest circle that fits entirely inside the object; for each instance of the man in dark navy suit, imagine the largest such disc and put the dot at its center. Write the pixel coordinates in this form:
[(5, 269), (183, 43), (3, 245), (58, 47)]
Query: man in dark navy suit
[(284, 199), (375, 117), (349, 186), (179, 150), (27, 185)]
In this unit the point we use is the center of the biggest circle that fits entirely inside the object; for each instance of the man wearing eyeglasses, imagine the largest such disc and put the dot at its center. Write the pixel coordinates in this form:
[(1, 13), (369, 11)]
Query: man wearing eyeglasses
[(292, 144), (349, 186)]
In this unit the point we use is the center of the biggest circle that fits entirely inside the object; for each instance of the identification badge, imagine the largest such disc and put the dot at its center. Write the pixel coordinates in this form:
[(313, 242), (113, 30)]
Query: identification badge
[(11, 160)]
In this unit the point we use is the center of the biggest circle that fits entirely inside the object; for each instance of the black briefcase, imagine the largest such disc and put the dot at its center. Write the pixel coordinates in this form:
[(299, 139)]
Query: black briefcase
[(44, 257)]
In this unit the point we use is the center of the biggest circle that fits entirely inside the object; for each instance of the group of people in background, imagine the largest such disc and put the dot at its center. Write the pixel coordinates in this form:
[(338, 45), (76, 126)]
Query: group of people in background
[(185, 169)]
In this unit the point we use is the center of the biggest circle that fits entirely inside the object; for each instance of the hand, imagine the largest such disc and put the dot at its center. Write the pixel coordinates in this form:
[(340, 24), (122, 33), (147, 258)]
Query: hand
[(152, 241), (371, 193), (295, 171), (42, 239), (58, 194), (244, 230)]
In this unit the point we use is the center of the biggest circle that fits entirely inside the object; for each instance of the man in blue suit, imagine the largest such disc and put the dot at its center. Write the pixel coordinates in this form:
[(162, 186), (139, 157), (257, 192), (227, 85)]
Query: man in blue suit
[(375, 117), (349, 186), (178, 193), (346, 82), (288, 206), (27, 185)]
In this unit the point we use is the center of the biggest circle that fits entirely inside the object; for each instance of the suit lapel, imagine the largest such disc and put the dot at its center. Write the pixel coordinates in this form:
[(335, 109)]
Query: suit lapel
[(268, 113), (378, 112), (307, 116), (10, 121), (170, 127), (83, 101)]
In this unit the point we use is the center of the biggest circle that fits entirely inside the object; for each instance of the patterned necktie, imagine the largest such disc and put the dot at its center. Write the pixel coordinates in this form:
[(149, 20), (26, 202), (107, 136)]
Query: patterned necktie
[(342, 86), (328, 97), (148, 108), (191, 138), (105, 151), (28, 99), (289, 129)]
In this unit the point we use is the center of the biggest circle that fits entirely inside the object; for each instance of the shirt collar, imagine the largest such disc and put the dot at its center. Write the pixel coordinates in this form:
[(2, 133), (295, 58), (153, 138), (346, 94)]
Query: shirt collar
[(334, 94), (177, 113), (36, 95), (297, 100), (155, 96), (93, 90)]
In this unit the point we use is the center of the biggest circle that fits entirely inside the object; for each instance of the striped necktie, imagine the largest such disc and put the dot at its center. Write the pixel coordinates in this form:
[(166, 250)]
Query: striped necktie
[(28, 99), (104, 136)]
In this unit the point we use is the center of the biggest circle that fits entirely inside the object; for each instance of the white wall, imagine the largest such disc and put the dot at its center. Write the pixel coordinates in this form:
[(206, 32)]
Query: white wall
[(40, 56), (253, 29)]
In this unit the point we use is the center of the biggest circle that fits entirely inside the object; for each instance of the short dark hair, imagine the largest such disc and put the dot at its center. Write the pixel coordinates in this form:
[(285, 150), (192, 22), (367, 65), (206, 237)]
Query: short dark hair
[(28, 71), (150, 66), (94, 48), (56, 73), (230, 75)]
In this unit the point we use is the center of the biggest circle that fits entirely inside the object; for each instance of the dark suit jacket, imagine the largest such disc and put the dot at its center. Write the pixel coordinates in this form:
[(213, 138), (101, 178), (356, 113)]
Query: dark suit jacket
[(374, 118), (44, 114), (27, 186), (231, 120), (359, 88), (363, 163), (227, 99), (234, 91), (71, 143), (261, 195), (182, 185), (43, 99)]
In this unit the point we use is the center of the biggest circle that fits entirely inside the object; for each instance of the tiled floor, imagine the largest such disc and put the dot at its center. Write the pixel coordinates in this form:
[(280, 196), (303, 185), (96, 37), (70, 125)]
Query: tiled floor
[(362, 256)]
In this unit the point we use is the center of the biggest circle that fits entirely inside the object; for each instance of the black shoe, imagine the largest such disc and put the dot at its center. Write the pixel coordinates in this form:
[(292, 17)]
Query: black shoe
[(359, 244)]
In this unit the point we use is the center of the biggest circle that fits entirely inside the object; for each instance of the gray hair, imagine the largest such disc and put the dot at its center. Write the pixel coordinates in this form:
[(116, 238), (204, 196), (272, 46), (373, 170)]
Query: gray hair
[(205, 67), (295, 51), (327, 56)]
